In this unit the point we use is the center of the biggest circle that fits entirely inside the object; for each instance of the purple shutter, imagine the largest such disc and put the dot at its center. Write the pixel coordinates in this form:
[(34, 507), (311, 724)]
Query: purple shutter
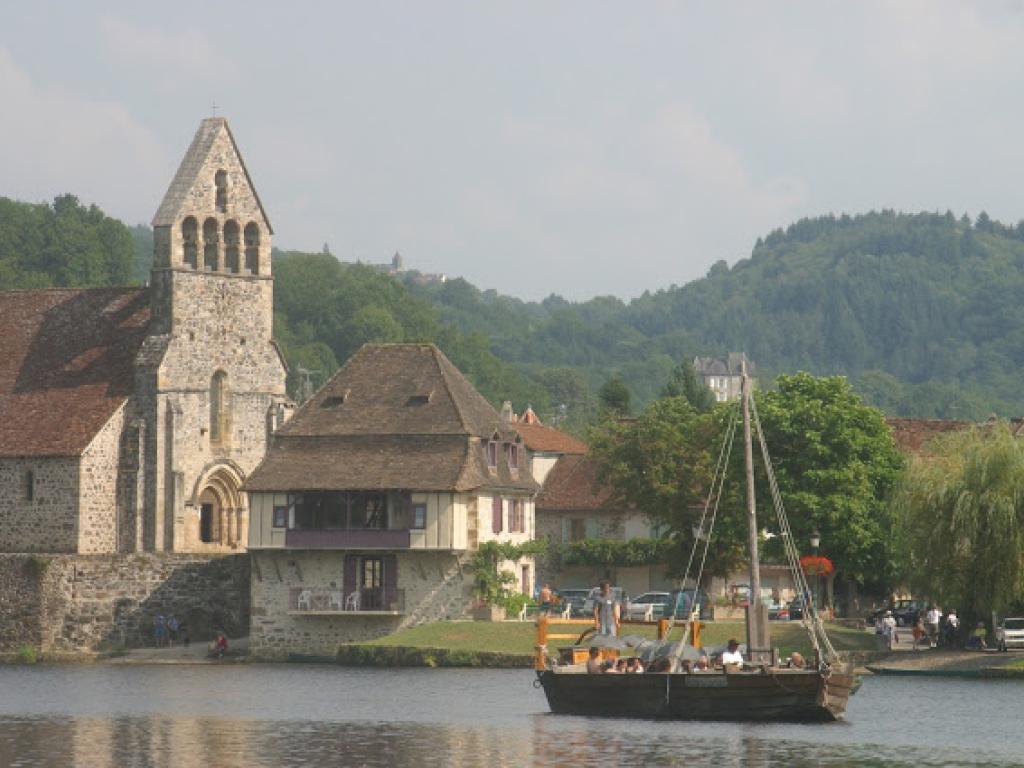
[(390, 581), (496, 514), (351, 574)]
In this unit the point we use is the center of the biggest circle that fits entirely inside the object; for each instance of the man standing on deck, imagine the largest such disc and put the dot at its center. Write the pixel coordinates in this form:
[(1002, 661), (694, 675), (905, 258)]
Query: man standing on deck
[(606, 611)]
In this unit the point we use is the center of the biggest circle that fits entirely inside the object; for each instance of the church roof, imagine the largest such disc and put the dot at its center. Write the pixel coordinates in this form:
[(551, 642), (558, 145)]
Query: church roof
[(395, 416), (66, 365), (190, 169)]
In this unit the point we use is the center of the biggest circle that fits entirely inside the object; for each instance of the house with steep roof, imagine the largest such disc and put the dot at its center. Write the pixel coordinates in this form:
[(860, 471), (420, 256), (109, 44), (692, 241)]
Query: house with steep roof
[(129, 418), (724, 376), (373, 497)]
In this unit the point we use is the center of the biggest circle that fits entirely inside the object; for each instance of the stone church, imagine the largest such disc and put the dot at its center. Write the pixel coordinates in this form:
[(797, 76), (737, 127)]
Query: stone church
[(129, 418)]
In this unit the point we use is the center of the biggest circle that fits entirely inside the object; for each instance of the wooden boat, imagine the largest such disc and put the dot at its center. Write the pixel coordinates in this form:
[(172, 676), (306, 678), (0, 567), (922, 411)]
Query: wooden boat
[(762, 691)]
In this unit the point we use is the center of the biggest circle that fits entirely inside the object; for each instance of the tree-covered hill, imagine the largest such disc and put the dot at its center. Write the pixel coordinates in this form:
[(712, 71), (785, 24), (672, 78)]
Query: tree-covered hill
[(920, 311)]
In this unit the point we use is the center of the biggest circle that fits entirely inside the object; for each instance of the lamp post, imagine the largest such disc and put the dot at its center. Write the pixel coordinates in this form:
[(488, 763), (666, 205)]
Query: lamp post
[(815, 543)]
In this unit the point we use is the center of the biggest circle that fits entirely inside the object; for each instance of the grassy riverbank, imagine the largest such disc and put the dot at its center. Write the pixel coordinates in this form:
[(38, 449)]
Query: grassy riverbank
[(517, 638)]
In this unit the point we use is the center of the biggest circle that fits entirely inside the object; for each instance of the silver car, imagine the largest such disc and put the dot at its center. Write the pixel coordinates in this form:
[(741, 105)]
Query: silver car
[(1010, 634)]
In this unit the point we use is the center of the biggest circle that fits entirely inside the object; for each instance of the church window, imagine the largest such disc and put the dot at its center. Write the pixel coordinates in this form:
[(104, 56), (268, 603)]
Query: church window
[(190, 241), (231, 250), (252, 248), (218, 407), (220, 180), (210, 243), (30, 485)]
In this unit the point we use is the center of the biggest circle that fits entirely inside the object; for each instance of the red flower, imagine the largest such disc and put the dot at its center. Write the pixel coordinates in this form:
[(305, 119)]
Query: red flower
[(814, 565)]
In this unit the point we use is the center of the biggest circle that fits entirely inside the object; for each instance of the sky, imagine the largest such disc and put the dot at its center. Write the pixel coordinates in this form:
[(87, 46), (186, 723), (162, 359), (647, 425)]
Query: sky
[(536, 147)]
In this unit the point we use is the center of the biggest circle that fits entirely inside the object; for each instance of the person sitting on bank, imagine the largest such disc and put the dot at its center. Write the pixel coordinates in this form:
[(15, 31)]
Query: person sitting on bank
[(976, 642), (594, 661), (606, 611), (731, 658)]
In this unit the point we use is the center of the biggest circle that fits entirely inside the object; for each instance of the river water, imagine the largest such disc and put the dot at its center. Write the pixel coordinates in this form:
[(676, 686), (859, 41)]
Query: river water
[(291, 715)]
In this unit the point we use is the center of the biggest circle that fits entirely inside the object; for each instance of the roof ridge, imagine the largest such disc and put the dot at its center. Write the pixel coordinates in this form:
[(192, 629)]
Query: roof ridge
[(448, 387)]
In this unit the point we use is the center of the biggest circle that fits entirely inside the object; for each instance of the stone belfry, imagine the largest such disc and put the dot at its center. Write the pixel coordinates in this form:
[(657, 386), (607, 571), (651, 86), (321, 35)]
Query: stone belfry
[(210, 382)]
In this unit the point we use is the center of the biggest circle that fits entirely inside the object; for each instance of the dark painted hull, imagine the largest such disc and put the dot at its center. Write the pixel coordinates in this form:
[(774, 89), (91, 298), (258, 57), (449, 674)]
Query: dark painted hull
[(781, 696)]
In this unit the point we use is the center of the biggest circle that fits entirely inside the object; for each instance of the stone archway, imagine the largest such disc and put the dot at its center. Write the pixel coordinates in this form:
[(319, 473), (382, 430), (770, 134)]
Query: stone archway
[(223, 514)]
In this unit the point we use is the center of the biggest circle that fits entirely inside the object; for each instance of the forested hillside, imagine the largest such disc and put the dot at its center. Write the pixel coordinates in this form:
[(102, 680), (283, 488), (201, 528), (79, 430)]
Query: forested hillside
[(920, 311)]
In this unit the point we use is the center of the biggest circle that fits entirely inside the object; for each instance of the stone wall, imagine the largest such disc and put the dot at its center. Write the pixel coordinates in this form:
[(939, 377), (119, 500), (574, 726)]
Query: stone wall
[(98, 489), (88, 602), (48, 522), (436, 586)]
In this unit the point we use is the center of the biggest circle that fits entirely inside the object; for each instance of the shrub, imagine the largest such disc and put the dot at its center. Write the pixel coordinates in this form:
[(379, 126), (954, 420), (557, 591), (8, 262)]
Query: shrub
[(27, 654)]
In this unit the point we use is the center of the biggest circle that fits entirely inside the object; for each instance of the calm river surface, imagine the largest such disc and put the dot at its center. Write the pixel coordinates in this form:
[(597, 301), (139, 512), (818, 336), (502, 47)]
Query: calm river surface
[(288, 715)]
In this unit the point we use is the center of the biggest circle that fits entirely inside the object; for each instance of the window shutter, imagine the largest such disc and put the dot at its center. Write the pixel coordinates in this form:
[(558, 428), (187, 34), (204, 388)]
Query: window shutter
[(496, 515), (390, 581), (351, 574)]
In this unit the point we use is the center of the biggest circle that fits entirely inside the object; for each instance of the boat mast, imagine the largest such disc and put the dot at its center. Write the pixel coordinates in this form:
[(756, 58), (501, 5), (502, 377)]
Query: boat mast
[(758, 647)]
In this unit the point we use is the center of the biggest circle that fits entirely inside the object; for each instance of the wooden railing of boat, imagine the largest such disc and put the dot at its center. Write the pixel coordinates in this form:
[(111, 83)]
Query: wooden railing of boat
[(545, 622)]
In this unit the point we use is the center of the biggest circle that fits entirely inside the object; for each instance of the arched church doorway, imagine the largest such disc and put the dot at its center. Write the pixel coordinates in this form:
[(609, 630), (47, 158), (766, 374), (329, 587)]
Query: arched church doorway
[(222, 515)]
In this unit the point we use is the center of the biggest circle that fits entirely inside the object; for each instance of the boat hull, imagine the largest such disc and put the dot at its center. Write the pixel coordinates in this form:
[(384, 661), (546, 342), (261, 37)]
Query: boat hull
[(777, 696)]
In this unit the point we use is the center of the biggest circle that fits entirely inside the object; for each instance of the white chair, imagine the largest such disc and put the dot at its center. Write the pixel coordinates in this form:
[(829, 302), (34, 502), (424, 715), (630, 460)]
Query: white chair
[(305, 600), (522, 613), (567, 610), (336, 600), (352, 601)]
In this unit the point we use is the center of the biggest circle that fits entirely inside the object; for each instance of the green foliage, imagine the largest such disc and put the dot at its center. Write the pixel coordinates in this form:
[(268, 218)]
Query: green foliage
[(490, 582), (608, 553), (836, 465), (614, 396), (684, 383), (27, 654), (62, 245), (661, 464), (960, 519), (513, 603)]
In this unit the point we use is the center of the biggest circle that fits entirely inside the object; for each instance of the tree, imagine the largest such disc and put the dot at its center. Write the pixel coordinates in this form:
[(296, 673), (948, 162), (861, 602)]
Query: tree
[(614, 395), (836, 465), (662, 465), (684, 383), (959, 511)]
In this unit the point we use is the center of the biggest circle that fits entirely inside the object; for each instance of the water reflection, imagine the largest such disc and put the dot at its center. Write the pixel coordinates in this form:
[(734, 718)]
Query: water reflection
[(291, 716)]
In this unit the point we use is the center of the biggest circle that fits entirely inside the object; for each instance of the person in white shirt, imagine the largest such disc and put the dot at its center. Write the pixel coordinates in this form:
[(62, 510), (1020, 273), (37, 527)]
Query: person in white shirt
[(732, 657), (931, 623), (886, 632)]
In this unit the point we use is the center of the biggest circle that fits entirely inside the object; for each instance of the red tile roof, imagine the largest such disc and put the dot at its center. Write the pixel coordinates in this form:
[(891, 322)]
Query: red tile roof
[(66, 365), (573, 484), (911, 435), (544, 439)]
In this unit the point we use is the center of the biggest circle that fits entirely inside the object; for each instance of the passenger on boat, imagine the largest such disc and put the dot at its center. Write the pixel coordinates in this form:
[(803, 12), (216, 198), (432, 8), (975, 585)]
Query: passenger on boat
[(606, 611), (620, 667), (633, 666), (703, 664), (660, 666), (732, 659), (796, 661), (594, 662)]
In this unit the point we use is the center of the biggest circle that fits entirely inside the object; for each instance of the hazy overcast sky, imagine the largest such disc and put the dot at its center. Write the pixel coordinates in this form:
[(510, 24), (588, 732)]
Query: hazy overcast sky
[(581, 148)]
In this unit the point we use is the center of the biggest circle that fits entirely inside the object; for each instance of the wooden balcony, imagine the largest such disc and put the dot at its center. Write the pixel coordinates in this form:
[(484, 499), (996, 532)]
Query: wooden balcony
[(351, 538)]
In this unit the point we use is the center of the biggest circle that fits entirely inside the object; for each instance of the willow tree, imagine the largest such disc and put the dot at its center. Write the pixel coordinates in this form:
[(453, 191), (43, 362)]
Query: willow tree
[(959, 512)]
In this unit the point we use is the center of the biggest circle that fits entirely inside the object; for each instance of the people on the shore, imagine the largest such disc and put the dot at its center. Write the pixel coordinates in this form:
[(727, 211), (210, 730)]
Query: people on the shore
[(920, 634), (886, 633), (976, 642), (606, 611), (594, 661), (219, 647), (951, 627), (172, 630), (731, 658), (931, 621), (159, 630), (545, 598)]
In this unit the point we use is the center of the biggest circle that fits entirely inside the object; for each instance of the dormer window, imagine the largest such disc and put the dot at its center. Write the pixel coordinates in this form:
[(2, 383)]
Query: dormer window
[(492, 454), (419, 399), (335, 401), (513, 456)]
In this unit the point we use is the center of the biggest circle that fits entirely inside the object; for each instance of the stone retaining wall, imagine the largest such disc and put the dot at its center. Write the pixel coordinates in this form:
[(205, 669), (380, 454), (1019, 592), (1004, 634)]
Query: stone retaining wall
[(86, 602)]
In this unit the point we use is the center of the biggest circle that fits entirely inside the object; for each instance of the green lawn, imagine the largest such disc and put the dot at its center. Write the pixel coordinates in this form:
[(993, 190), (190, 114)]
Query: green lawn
[(518, 637)]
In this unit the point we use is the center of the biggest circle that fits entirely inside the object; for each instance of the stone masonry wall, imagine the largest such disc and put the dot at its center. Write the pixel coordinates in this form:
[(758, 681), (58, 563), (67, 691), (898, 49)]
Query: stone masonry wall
[(437, 586), (98, 485), (87, 602), (49, 521)]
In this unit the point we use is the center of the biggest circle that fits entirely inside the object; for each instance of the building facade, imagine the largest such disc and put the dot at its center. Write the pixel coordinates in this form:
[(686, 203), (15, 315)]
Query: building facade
[(132, 416), (372, 499), (724, 376)]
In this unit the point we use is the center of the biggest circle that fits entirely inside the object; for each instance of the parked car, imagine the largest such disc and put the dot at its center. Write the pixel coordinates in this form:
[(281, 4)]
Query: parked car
[(797, 607), (620, 594), (1010, 634), (575, 598), (660, 604), (904, 611), (776, 611), (684, 599)]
